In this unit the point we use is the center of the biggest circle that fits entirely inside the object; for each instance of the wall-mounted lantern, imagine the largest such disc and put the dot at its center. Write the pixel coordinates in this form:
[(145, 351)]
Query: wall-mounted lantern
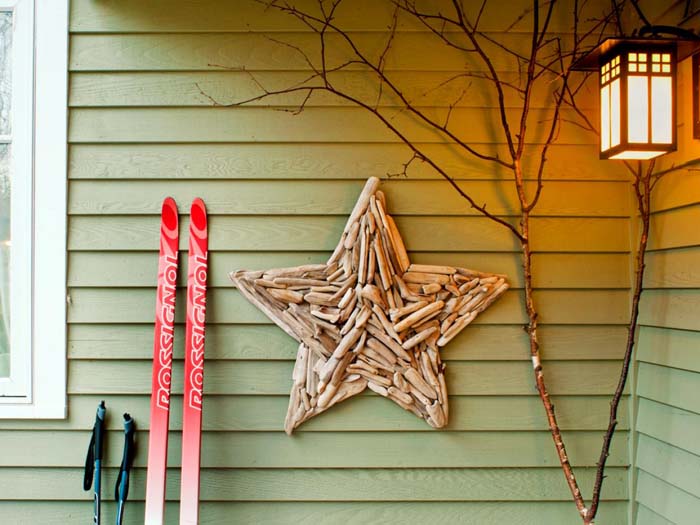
[(637, 83)]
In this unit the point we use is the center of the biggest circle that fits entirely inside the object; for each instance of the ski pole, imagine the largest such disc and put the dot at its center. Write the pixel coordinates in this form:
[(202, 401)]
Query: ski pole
[(93, 461), (121, 490)]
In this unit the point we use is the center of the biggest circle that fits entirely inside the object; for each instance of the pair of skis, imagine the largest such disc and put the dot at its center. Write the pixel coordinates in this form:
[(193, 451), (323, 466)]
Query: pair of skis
[(162, 363)]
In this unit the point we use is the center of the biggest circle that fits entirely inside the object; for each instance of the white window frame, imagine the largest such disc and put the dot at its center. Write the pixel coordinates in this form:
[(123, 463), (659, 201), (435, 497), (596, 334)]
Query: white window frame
[(36, 387)]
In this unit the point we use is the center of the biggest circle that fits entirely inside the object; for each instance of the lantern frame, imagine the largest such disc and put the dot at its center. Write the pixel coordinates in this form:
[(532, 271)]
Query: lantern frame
[(608, 50)]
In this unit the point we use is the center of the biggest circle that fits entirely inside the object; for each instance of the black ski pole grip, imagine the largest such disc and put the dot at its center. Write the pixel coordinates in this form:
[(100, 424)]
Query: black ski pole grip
[(99, 430)]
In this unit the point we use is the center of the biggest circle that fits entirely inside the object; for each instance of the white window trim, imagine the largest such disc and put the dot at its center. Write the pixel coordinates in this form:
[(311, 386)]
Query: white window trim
[(45, 393)]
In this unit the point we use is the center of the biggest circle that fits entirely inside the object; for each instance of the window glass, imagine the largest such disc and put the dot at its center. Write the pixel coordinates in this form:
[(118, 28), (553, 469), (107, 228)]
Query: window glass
[(5, 186)]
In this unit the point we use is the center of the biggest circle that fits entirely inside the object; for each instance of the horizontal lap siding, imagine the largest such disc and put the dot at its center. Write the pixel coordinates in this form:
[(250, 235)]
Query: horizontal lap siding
[(668, 361), (278, 188)]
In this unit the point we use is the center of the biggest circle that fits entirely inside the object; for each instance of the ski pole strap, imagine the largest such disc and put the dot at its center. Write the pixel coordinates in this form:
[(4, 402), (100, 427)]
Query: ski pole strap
[(94, 451), (121, 489)]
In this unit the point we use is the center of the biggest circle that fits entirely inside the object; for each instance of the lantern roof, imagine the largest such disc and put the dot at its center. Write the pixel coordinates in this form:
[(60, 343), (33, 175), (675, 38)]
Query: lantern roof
[(591, 60)]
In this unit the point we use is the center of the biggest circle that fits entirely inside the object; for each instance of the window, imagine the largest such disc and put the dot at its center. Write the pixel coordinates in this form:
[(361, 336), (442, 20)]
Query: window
[(33, 116)]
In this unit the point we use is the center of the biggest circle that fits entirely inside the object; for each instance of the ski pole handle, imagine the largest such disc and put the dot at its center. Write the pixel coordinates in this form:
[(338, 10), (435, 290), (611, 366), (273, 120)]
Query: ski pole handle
[(121, 490), (93, 461)]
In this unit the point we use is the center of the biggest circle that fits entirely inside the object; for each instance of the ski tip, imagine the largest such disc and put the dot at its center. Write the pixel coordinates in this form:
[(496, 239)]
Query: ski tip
[(198, 214), (169, 214)]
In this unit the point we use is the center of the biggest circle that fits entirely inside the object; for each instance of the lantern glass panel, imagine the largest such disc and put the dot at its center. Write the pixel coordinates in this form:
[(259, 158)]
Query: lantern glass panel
[(637, 109), (615, 114), (661, 109), (605, 118)]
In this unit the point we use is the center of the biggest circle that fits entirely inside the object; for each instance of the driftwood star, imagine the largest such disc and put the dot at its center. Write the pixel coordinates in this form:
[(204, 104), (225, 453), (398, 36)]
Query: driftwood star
[(368, 318)]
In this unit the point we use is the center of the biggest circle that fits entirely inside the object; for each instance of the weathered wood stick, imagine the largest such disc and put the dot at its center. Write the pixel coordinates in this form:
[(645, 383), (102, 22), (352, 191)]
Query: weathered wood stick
[(266, 283), (382, 350), (362, 365), (299, 281), (371, 292), (360, 207), (287, 296), (472, 303), (324, 299), (349, 323), (406, 293), (456, 328), (412, 319), (408, 309), (428, 289), (348, 389), (400, 382), (299, 372), (403, 396), (247, 291), (392, 345), (337, 274), (327, 316), (398, 245), (417, 381), (362, 268), (363, 316), (347, 341), (339, 371), (427, 369), (425, 278), (345, 300), (431, 268), (384, 272), (371, 264), (381, 380), (290, 420), (418, 338), (295, 270), (436, 414), (346, 263), (447, 322), (379, 313), (352, 235), (376, 359), (374, 387), (305, 399), (325, 397), (453, 289)]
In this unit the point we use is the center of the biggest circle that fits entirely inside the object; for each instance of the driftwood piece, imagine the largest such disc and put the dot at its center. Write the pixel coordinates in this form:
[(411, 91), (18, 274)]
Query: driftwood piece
[(369, 318)]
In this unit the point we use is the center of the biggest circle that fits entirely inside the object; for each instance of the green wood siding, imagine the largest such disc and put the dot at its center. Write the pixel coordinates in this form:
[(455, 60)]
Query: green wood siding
[(667, 404), (278, 188)]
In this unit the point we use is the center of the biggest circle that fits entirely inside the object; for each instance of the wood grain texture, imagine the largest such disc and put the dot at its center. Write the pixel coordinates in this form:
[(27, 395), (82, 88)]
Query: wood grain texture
[(213, 16), (229, 413), (671, 425), (127, 269), (136, 305), (406, 197), (217, 88), (477, 513), (346, 161), (251, 124), (206, 51), (275, 485), (674, 465), (265, 342), (328, 449), (285, 233), (664, 499), (274, 377), (670, 386), (673, 268)]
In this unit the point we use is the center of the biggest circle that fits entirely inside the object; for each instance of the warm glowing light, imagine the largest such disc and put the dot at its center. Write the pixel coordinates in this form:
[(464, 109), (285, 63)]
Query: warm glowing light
[(637, 118), (638, 109), (661, 110), (638, 155)]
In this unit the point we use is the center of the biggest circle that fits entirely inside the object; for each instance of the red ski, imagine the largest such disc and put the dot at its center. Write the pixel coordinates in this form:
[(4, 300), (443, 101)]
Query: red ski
[(194, 364), (162, 364)]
